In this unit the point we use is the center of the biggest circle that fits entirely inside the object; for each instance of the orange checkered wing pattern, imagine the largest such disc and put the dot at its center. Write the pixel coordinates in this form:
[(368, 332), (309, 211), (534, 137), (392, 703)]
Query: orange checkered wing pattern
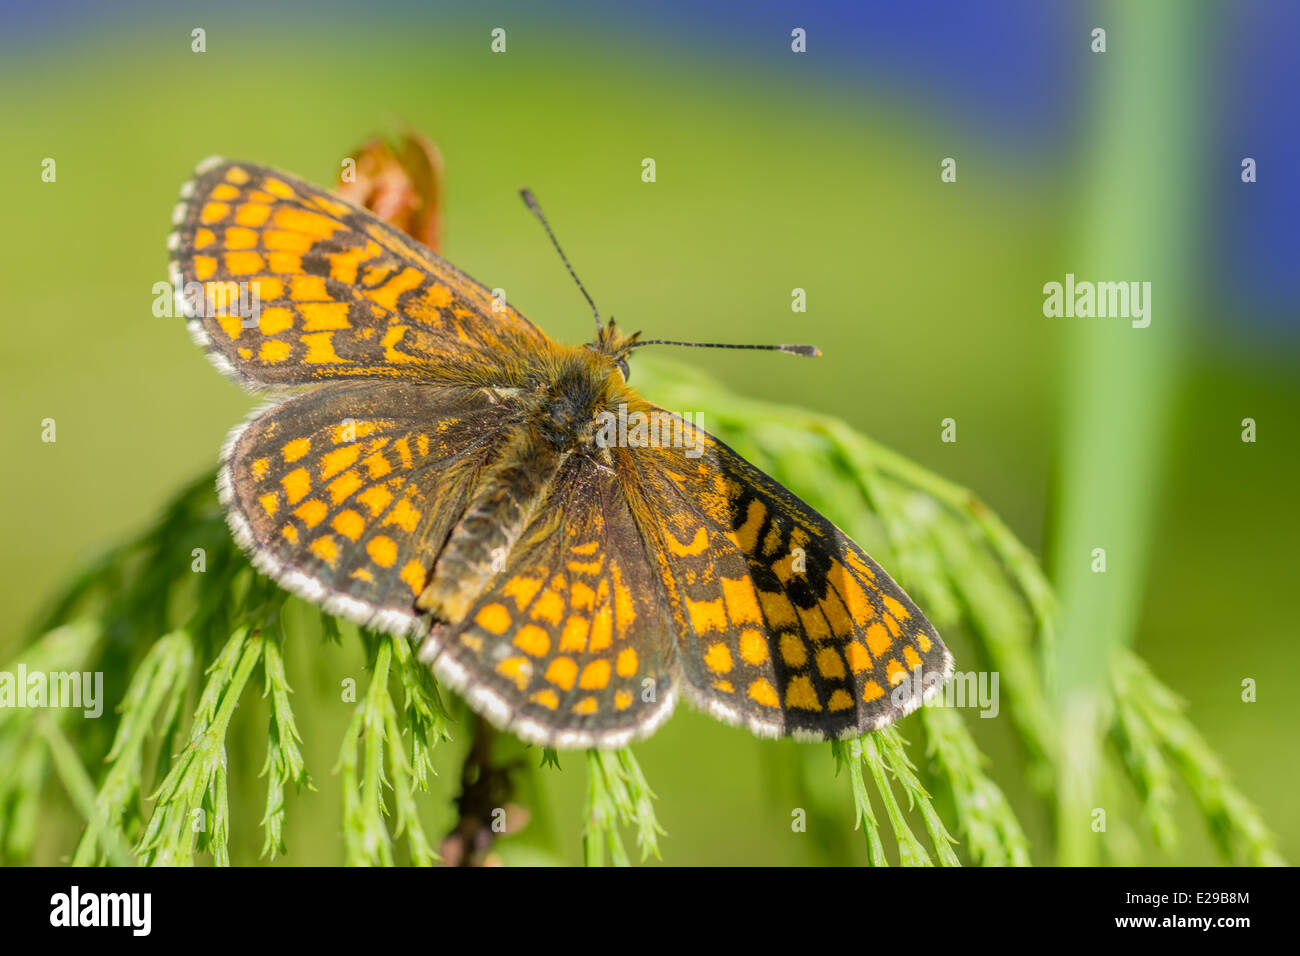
[(344, 495), (570, 645), (784, 624), (286, 284)]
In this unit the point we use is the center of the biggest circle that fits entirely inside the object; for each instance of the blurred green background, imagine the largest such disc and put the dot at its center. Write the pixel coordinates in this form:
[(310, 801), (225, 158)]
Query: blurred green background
[(772, 173)]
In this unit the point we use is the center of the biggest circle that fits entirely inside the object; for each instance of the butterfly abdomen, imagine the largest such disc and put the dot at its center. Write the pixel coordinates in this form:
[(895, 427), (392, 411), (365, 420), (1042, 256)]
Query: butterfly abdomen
[(498, 511)]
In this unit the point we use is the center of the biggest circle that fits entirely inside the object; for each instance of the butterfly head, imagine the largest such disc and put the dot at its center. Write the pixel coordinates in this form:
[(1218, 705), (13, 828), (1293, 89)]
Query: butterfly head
[(615, 345)]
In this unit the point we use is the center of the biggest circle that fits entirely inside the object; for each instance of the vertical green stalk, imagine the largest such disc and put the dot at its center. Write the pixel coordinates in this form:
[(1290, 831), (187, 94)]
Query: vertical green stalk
[(1137, 218)]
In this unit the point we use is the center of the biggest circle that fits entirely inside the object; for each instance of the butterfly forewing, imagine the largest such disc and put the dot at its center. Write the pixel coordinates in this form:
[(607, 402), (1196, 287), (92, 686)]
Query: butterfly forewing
[(286, 284)]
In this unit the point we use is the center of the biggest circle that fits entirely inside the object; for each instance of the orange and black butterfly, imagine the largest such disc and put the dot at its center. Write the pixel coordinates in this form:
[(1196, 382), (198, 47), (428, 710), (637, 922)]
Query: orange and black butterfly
[(447, 474)]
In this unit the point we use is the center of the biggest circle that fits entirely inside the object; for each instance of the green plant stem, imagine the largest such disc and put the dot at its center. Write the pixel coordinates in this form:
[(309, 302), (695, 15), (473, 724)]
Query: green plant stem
[(80, 788), (157, 687), (197, 778), (617, 793)]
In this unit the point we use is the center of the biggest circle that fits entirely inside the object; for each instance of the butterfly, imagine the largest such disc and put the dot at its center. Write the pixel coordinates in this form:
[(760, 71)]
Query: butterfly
[(435, 466)]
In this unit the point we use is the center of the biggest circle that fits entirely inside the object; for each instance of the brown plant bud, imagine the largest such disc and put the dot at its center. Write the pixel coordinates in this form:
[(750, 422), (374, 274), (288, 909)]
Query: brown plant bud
[(401, 185)]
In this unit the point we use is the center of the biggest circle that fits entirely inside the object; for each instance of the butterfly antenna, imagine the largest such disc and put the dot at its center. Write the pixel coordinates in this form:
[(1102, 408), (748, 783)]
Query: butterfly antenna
[(808, 351), (531, 202)]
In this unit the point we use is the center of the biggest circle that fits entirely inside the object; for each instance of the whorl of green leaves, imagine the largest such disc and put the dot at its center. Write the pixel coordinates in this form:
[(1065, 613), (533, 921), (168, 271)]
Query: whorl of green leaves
[(157, 791)]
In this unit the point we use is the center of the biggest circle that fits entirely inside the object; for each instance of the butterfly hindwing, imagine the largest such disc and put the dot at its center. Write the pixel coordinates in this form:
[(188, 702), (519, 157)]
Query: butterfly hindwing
[(784, 624), (570, 645), (345, 494), (286, 284)]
